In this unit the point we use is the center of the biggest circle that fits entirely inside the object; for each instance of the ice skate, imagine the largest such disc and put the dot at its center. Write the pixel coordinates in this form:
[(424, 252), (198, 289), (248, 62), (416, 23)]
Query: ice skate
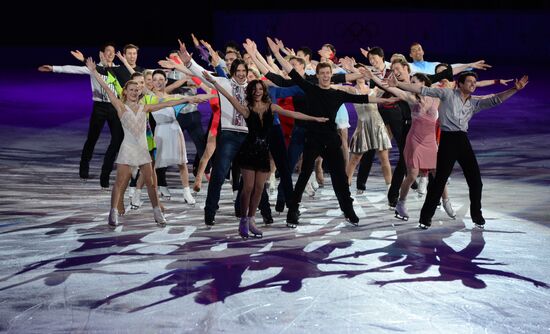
[(243, 228), (135, 202), (252, 229), (422, 186), (449, 208), (309, 190), (401, 211), (131, 191), (165, 193), (188, 197), (159, 217), (113, 217)]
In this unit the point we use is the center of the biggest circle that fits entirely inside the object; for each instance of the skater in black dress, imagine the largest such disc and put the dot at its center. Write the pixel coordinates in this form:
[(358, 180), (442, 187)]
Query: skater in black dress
[(253, 156)]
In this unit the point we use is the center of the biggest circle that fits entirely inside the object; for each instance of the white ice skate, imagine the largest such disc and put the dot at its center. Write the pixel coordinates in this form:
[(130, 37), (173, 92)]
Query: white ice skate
[(135, 202), (449, 208), (113, 217), (187, 196), (159, 217), (422, 186), (165, 193)]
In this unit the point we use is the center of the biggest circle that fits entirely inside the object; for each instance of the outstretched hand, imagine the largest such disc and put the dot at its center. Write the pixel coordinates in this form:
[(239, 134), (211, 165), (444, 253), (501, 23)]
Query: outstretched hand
[(366, 72), (388, 100), (480, 65), (90, 64), (121, 57), (78, 55), (321, 119), (168, 63), (364, 52), (272, 45), (183, 54), (201, 98), (505, 81), (521, 83), (392, 81), (208, 77), (195, 40), (45, 68)]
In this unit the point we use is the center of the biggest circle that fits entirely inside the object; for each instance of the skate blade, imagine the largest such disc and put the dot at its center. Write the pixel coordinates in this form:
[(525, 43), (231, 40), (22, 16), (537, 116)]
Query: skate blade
[(398, 216), (352, 223), (423, 227)]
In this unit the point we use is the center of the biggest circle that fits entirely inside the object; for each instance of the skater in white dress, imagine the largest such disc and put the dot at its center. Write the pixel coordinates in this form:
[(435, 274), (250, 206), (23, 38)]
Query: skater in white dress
[(133, 151)]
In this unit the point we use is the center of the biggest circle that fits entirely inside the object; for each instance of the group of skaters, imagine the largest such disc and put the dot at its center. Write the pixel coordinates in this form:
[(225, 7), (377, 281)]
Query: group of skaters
[(424, 107)]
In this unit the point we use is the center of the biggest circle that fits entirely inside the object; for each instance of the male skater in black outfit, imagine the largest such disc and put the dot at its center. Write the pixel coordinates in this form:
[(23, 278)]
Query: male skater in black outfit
[(321, 139)]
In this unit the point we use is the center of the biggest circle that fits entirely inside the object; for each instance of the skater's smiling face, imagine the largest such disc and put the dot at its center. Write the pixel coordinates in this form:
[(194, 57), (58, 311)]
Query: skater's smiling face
[(131, 91), (417, 53), (109, 53), (159, 81), (400, 71), (324, 75), (467, 82), (140, 80)]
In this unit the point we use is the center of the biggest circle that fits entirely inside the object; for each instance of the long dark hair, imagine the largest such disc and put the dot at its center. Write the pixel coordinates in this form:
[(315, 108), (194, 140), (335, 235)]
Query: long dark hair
[(251, 89), (422, 78)]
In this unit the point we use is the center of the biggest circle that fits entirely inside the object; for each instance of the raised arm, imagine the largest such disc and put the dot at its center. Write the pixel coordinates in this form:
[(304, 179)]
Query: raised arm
[(171, 103), (238, 106), (214, 57), (119, 106), (297, 114), (125, 62), (174, 85), (277, 53), (518, 85), (479, 65), (257, 58), (391, 87), (485, 83)]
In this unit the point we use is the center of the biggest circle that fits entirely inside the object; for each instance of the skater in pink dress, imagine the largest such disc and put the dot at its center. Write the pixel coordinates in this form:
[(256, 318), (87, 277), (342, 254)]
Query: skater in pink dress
[(133, 151), (421, 146)]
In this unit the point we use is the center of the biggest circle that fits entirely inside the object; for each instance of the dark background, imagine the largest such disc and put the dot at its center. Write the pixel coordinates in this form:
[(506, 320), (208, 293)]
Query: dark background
[(498, 31)]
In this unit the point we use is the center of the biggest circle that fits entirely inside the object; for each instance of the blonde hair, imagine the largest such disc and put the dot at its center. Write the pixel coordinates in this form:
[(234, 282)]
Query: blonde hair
[(397, 56), (128, 83)]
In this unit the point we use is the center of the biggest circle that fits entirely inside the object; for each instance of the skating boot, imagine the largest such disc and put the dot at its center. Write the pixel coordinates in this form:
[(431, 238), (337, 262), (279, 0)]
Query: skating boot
[(352, 218), (422, 186), (252, 229), (292, 218), (401, 211), (449, 208), (309, 189), (159, 217), (424, 224), (113, 217), (188, 197), (131, 191), (479, 221), (243, 227), (135, 202), (165, 193)]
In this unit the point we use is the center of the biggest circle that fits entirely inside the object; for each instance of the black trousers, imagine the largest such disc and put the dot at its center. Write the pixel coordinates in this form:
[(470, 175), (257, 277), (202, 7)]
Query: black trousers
[(328, 146), (103, 112), (400, 169), (454, 146), (191, 122)]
